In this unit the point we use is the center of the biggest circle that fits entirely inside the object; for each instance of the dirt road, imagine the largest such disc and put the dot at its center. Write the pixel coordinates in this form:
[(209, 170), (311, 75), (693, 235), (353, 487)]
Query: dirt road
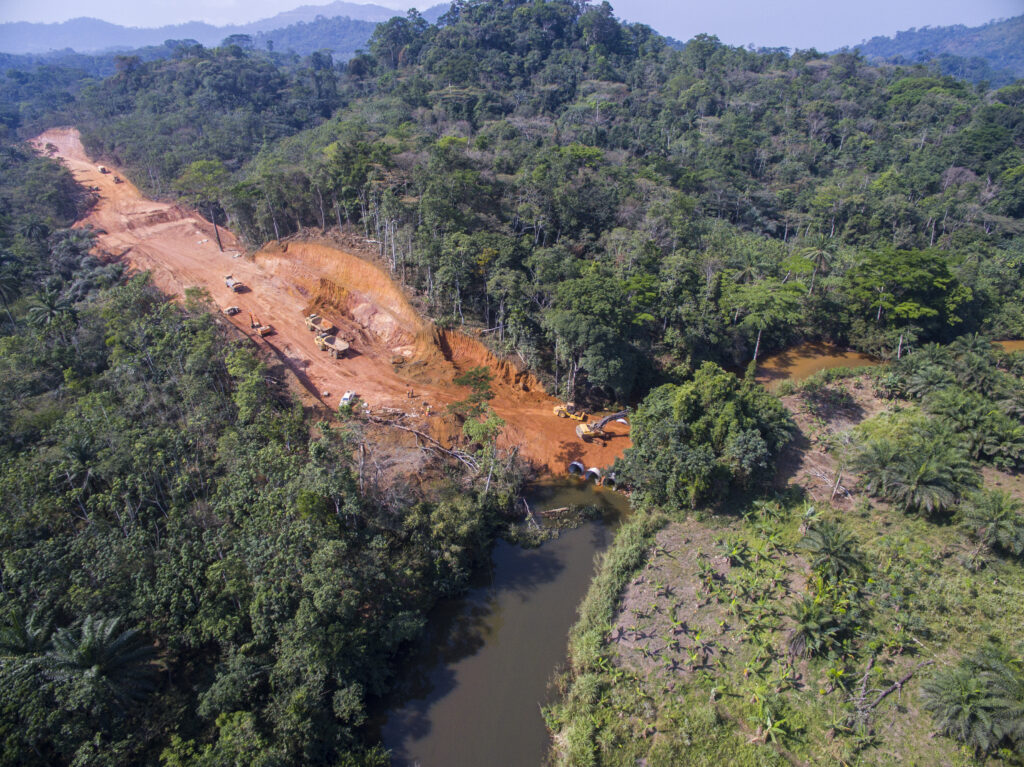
[(284, 282)]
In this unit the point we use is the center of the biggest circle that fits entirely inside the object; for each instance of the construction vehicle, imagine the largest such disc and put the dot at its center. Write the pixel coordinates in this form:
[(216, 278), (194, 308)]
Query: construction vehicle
[(118, 180), (318, 324), (569, 410), (234, 284), (259, 327), (595, 430), (337, 347), (103, 169), (231, 311)]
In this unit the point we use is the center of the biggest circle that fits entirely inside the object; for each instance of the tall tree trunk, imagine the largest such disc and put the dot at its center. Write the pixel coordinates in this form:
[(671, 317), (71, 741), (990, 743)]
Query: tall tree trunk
[(216, 231), (757, 345)]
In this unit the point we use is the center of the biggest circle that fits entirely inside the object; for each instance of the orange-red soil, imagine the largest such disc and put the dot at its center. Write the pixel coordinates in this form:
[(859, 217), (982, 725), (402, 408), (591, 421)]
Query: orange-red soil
[(286, 281)]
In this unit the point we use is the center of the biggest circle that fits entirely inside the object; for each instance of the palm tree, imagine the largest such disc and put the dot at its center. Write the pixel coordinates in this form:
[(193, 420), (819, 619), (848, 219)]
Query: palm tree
[(815, 630), (9, 288), (833, 549), (819, 252), (931, 478), (956, 698), (996, 519), (46, 307), (980, 701), (119, 664), (875, 461), (926, 379)]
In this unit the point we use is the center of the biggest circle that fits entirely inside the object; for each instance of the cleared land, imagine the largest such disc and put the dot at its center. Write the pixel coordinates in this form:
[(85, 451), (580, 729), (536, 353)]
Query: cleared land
[(286, 281)]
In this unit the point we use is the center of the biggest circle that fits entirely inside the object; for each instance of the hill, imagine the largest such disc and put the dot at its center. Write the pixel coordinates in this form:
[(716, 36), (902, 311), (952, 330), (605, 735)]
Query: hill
[(993, 51), (85, 35)]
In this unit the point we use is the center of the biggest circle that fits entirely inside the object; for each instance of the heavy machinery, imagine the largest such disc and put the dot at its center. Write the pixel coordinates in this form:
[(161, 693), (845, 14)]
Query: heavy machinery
[(595, 430), (569, 410), (317, 324), (259, 327), (118, 180), (234, 284), (328, 343), (103, 169)]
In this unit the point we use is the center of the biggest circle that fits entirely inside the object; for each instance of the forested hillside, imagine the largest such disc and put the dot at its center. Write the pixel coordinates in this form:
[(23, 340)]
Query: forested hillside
[(192, 569), (990, 52), (601, 196)]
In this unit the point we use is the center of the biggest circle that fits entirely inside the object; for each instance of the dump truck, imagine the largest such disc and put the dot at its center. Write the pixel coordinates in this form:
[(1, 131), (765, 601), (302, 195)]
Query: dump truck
[(318, 324), (337, 347), (569, 410), (595, 430), (232, 283)]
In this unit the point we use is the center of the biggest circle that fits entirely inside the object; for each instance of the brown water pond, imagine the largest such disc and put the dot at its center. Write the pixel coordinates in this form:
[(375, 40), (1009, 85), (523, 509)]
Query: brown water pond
[(800, 362), (804, 360), (472, 695)]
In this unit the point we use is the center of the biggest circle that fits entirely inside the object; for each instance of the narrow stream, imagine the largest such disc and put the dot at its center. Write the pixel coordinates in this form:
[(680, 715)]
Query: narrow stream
[(473, 694)]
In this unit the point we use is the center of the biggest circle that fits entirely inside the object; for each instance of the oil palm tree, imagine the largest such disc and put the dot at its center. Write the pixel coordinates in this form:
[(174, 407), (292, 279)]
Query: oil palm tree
[(996, 519), (9, 288), (833, 550), (109, 663), (46, 306), (979, 701), (816, 629), (930, 479), (875, 461)]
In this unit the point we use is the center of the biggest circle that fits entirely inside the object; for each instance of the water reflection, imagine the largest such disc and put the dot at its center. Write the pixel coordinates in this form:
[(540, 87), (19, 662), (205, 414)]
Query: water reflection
[(473, 694)]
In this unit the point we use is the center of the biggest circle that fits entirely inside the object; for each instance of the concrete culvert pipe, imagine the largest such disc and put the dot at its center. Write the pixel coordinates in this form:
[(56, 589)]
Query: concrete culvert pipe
[(608, 480), (594, 474), (576, 468)]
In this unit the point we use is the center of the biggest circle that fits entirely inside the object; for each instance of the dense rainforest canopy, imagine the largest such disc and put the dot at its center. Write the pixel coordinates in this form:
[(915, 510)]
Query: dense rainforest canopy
[(719, 196), (190, 566)]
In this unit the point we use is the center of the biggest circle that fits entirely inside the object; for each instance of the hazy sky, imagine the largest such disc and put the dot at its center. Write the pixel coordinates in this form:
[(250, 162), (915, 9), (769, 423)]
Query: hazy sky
[(824, 24)]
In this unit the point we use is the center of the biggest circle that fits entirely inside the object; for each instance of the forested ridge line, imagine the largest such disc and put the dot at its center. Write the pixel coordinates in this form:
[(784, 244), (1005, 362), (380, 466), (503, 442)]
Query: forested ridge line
[(596, 194)]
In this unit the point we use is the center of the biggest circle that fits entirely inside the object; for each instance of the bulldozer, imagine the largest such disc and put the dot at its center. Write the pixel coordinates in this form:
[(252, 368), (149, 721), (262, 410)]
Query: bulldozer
[(569, 410), (317, 324), (328, 343), (595, 430)]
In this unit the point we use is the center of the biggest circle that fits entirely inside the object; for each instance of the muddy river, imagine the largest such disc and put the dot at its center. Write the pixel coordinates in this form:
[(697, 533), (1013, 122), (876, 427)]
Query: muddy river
[(473, 694)]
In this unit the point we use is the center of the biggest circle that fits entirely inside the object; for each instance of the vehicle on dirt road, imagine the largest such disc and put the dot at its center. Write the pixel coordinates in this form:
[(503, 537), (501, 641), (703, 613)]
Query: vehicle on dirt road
[(569, 410), (337, 347), (591, 431)]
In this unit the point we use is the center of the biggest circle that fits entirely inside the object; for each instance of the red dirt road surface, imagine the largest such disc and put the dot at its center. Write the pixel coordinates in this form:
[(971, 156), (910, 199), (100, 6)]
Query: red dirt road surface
[(392, 348)]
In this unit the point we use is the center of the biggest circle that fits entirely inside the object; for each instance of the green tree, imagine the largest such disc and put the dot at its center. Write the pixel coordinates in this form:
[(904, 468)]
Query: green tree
[(203, 183)]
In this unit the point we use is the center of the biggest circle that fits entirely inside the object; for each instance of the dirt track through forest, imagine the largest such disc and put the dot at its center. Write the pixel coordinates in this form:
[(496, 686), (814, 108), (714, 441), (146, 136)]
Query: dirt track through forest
[(285, 281)]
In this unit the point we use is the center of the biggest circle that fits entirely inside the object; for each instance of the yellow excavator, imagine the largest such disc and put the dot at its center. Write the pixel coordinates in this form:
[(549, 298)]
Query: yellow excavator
[(569, 410), (259, 327), (595, 430)]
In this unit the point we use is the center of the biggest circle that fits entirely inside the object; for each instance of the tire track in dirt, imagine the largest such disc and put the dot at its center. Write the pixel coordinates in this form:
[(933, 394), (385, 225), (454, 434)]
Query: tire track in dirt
[(286, 281)]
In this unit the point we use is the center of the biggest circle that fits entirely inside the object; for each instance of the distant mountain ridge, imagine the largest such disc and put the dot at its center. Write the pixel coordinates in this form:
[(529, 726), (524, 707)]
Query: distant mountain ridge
[(85, 35), (958, 49)]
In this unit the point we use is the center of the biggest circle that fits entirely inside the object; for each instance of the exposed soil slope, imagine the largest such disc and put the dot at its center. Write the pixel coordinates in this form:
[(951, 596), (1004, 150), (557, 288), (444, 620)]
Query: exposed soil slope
[(393, 350)]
